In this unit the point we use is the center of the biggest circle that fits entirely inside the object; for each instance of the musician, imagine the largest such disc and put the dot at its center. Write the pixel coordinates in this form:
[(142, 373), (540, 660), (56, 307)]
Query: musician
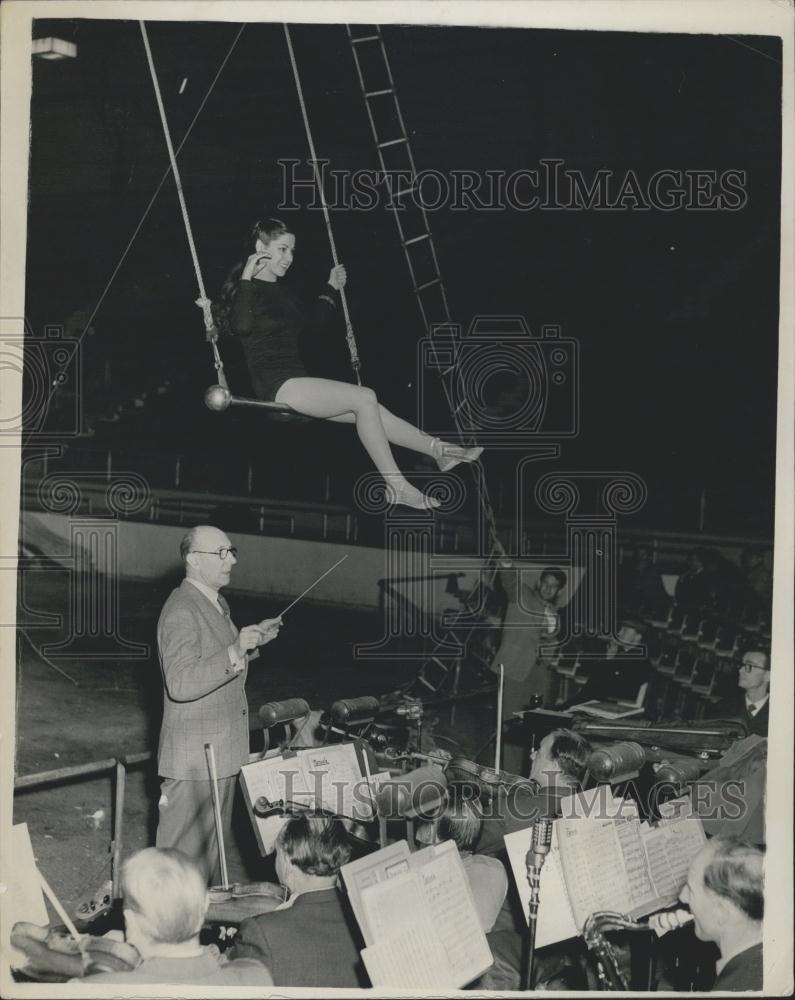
[(461, 821), (165, 903), (725, 894), (751, 704), (531, 620), (561, 762), (314, 940), (558, 771), (204, 661)]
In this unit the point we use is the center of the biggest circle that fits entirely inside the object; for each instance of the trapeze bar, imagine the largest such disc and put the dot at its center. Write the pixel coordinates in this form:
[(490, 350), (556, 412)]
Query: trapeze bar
[(218, 398)]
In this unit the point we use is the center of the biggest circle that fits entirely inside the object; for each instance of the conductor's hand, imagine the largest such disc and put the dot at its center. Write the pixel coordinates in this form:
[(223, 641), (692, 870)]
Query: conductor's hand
[(269, 629), (254, 264), (249, 637), (338, 276)]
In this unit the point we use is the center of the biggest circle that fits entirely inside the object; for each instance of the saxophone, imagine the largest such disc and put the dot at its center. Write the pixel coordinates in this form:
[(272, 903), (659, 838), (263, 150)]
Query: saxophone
[(602, 922), (611, 976)]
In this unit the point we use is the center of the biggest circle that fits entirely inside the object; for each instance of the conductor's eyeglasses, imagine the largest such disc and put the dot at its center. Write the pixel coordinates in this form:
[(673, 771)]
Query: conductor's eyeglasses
[(221, 553), (748, 667)]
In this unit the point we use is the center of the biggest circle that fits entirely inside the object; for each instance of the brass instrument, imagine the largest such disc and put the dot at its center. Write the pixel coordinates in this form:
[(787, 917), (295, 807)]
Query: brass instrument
[(594, 930)]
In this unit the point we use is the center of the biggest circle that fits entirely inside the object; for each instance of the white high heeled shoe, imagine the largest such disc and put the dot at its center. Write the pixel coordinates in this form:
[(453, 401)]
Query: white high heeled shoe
[(448, 456)]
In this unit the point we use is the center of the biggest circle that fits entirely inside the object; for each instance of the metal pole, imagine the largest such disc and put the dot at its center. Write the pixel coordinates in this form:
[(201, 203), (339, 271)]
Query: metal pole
[(219, 829), (118, 822), (498, 747)]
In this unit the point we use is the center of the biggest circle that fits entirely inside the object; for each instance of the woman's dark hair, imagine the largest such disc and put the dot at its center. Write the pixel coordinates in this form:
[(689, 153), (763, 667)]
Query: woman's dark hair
[(263, 229)]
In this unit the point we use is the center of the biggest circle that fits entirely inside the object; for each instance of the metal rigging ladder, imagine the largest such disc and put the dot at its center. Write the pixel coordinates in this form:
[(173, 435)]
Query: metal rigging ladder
[(397, 163)]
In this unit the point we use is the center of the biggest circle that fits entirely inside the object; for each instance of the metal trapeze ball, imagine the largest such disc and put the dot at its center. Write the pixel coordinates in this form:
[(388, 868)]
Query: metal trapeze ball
[(217, 398)]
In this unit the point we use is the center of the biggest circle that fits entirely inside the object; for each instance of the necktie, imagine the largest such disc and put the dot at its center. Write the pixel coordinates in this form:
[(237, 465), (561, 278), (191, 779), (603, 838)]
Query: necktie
[(224, 606)]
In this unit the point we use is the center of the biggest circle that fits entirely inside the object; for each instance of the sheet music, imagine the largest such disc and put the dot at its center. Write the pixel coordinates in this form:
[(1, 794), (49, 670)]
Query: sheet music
[(636, 867), (328, 776), (555, 918), (592, 866), (670, 847), (657, 860), (413, 959), (392, 906), (686, 837), (335, 776), (275, 779), (452, 908), (379, 866), (433, 894), (271, 779)]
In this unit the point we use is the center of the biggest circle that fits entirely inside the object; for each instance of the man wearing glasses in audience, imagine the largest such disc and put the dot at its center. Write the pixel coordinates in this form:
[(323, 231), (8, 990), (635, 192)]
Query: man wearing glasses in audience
[(204, 661), (751, 704)]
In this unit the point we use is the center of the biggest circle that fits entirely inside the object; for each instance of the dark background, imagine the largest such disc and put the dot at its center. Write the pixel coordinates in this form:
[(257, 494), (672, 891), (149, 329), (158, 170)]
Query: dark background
[(676, 313)]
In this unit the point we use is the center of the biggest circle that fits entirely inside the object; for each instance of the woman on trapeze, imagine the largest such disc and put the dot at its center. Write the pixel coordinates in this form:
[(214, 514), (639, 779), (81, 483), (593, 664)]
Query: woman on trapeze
[(268, 319)]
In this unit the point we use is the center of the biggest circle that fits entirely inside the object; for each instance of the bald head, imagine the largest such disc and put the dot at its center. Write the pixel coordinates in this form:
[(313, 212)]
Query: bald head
[(204, 552)]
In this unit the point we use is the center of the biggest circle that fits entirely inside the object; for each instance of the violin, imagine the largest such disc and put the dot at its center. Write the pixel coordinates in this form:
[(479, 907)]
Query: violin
[(234, 903), (486, 779), (358, 834), (53, 956)]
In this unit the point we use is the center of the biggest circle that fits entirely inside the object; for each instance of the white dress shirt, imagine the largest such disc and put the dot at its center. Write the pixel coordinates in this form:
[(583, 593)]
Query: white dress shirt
[(754, 707)]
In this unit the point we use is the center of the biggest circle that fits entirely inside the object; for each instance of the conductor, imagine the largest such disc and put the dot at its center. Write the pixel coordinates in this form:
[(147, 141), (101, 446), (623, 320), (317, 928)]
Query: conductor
[(204, 662)]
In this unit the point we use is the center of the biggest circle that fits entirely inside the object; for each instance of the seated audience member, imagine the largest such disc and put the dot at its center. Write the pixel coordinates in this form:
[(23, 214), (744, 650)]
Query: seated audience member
[(727, 587), (693, 587), (313, 940), (641, 583), (461, 821), (623, 671), (558, 771), (758, 578), (751, 704), (165, 903), (725, 894)]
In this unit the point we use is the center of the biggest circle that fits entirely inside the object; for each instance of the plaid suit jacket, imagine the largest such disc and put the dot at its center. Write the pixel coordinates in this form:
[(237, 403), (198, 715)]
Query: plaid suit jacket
[(204, 699)]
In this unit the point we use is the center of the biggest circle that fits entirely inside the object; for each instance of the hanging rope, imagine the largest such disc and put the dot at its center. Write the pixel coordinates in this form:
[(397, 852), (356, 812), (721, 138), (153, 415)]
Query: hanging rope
[(349, 336), (202, 302)]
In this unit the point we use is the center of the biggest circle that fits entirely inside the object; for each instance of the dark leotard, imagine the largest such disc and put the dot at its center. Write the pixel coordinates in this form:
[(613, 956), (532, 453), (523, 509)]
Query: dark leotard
[(269, 321)]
